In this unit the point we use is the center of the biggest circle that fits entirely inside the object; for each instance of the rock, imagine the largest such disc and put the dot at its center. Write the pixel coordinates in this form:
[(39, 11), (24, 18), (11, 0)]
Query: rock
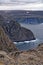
[(26, 35), (31, 57), (5, 59), (5, 43), (17, 33)]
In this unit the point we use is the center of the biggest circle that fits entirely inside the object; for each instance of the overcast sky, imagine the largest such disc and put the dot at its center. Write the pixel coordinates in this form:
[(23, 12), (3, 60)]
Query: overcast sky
[(20, 1), (22, 4)]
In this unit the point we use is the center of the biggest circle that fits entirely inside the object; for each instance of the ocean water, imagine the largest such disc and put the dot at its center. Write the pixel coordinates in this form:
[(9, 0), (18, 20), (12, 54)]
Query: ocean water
[(38, 33), (27, 45)]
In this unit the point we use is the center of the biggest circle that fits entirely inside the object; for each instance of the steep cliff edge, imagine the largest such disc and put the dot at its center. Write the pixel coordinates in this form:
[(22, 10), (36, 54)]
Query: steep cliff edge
[(5, 43)]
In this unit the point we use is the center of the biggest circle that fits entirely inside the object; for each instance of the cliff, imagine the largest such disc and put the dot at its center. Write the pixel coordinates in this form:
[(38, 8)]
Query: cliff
[(17, 33), (5, 43)]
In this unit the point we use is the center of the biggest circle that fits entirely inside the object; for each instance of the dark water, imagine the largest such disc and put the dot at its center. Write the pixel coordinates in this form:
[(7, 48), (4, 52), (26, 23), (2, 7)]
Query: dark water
[(27, 45)]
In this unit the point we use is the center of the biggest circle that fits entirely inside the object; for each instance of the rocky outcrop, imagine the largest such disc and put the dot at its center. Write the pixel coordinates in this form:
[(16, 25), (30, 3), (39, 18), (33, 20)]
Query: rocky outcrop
[(31, 57), (5, 59), (17, 33), (5, 43)]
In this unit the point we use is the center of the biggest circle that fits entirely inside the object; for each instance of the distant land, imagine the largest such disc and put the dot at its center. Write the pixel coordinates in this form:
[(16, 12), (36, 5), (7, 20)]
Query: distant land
[(23, 13), (23, 16)]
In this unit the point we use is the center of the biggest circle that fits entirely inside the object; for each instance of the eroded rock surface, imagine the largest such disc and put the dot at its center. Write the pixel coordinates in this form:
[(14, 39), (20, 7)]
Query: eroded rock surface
[(5, 43), (32, 57)]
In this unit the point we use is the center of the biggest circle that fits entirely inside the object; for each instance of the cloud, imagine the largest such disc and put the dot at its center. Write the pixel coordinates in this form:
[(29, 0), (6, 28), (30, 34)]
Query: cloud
[(23, 7)]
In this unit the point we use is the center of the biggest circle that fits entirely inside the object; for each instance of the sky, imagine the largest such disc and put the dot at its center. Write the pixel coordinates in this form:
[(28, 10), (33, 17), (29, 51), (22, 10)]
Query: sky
[(20, 1), (21, 4)]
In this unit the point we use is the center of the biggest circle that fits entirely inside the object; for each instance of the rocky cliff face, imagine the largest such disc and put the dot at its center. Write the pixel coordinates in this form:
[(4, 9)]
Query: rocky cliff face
[(31, 57), (17, 33), (5, 43)]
